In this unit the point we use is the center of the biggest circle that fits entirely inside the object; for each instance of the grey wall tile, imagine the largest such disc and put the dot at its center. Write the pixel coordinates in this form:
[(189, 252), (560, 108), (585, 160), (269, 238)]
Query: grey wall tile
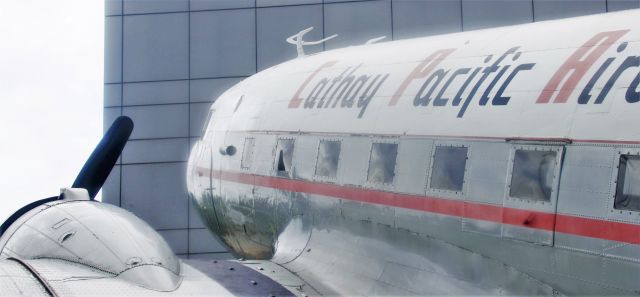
[(615, 5), (111, 187), (192, 141), (275, 24), (208, 90), (337, 1), (162, 92), (155, 6), (220, 4), (357, 22), (159, 121), (113, 49), (112, 7), (112, 95), (156, 47), (223, 43), (194, 218), (109, 115), (202, 241), (416, 18), (480, 14), (156, 193), (177, 240), (199, 113), (156, 150), (556, 9), (265, 3)]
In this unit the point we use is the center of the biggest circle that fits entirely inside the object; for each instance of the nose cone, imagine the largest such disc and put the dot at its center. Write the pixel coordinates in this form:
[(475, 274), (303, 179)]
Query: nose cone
[(98, 235)]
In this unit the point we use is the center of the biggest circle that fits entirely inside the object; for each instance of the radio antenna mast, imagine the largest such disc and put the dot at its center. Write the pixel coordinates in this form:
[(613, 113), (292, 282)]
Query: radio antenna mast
[(298, 41)]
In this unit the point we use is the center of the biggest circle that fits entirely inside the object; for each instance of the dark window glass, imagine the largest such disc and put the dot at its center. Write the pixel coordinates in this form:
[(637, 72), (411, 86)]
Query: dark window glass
[(533, 174), (247, 153), (628, 185), (448, 168), (284, 157), (328, 156), (382, 163)]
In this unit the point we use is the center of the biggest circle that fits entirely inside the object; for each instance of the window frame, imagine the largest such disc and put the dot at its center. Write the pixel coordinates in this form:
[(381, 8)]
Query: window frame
[(432, 162), (395, 164), (624, 214), (317, 155), (274, 162), (253, 153), (559, 150)]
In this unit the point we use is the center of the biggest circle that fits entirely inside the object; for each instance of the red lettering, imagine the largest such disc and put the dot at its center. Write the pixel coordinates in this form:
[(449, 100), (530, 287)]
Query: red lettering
[(421, 71), (577, 66), (296, 100)]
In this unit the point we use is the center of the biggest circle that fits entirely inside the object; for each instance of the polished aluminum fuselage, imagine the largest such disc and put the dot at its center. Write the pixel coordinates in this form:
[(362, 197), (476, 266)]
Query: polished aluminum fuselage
[(348, 235)]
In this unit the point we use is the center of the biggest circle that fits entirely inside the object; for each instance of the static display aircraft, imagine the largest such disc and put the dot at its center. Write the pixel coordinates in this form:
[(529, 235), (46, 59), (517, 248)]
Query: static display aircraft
[(494, 162)]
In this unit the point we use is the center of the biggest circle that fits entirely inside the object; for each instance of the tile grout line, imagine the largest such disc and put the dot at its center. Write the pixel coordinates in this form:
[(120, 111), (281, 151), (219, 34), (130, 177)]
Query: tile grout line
[(121, 95), (189, 120)]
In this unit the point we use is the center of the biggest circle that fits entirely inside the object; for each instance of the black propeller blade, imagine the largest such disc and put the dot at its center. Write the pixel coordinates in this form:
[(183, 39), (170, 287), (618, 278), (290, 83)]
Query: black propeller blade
[(97, 168), (95, 171)]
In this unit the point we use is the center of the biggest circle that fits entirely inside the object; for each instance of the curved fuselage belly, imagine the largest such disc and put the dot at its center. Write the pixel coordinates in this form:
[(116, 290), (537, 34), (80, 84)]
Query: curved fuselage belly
[(345, 229)]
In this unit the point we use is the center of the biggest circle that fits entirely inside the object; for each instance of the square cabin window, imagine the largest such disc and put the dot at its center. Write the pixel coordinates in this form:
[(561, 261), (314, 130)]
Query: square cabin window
[(448, 168), (284, 157), (382, 163), (328, 157), (247, 153), (533, 175), (628, 185)]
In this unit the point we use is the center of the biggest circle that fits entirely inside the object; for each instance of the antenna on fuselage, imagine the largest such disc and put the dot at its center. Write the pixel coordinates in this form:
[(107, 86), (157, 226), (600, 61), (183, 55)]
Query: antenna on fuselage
[(297, 40), (374, 40)]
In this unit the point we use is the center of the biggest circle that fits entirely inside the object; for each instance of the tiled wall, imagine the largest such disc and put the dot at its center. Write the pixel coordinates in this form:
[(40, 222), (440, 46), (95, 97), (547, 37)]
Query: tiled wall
[(167, 60)]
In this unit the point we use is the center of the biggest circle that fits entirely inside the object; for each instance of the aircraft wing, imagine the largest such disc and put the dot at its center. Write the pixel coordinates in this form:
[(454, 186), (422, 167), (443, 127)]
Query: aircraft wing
[(55, 277)]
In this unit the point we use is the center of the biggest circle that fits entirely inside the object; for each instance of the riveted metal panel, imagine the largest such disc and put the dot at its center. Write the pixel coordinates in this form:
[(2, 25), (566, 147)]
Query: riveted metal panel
[(355, 159), (413, 158), (487, 171), (482, 227), (578, 243), (304, 156), (585, 183), (263, 154)]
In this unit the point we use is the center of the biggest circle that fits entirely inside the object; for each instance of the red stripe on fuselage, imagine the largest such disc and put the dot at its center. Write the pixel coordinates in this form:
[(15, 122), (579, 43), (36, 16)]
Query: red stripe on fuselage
[(595, 228)]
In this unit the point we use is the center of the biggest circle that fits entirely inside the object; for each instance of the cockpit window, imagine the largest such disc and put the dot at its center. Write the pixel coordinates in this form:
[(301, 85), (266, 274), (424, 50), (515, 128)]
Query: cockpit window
[(628, 185), (284, 157), (382, 163), (328, 157), (448, 168), (533, 174), (247, 153)]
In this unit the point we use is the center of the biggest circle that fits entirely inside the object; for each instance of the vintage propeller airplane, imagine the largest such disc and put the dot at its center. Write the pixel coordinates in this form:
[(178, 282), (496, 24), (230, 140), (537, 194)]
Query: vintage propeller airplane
[(495, 162)]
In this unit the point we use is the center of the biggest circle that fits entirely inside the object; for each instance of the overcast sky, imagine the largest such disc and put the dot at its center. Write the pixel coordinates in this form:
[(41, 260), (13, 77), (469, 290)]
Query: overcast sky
[(51, 75)]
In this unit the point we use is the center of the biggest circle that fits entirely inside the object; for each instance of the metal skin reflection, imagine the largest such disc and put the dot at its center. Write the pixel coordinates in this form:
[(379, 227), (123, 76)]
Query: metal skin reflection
[(401, 235)]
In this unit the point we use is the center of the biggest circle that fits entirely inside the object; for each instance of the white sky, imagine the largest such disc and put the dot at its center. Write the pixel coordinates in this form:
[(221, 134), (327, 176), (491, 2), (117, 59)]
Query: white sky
[(51, 76)]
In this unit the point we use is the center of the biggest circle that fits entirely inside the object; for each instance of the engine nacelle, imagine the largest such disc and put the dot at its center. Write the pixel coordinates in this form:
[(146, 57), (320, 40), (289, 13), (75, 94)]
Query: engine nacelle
[(98, 235)]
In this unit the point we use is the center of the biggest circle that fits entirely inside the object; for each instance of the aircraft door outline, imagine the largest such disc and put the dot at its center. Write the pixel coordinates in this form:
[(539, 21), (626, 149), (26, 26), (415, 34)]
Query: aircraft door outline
[(531, 195)]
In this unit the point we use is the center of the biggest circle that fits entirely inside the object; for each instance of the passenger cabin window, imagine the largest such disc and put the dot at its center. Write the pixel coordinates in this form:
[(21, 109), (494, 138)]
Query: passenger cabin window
[(628, 185), (284, 157), (247, 153), (382, 163), (328, 157), (448, 168), (533, 174)]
